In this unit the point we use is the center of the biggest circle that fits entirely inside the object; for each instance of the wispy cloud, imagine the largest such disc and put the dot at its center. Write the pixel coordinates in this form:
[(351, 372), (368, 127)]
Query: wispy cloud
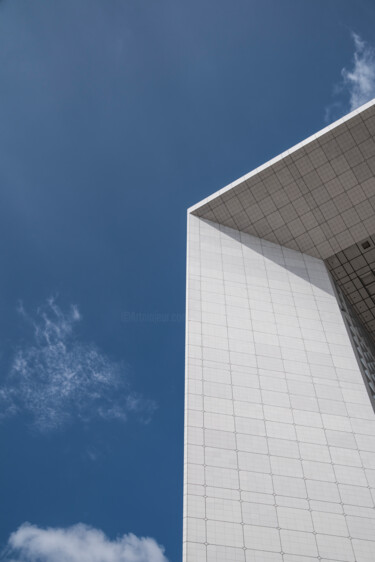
[(78, 543), (358, 81), (55, 378)]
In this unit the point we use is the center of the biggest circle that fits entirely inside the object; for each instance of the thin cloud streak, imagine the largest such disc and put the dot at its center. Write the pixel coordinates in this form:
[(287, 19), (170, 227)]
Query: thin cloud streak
[(79, 543), (358, 81), (56, 379)]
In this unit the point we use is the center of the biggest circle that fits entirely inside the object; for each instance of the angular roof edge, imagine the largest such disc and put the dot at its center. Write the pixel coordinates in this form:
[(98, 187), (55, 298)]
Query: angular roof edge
[(281, 156)]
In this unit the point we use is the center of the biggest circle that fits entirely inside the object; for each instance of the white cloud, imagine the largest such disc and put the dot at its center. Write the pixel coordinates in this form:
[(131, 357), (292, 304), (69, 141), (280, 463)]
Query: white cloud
[(56, 378), (78, 543), (360, 80)]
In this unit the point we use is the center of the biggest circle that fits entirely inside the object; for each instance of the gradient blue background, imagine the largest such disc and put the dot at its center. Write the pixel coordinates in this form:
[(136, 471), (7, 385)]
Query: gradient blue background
[(115, 116)]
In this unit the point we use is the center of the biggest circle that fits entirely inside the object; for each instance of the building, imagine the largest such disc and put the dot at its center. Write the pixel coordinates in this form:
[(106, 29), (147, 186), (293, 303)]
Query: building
[(280, 357)]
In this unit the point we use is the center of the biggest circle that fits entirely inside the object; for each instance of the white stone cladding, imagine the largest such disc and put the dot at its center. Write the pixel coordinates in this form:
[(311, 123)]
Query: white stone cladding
[(279, 429)]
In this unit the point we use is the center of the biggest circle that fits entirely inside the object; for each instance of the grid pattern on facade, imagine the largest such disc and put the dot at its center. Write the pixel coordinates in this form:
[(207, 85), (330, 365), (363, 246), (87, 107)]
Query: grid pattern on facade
[(279, 429), (362, 342), (353, 270)]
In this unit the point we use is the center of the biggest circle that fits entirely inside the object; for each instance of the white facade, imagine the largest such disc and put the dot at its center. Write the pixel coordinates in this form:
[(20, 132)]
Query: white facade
[(279, 426)]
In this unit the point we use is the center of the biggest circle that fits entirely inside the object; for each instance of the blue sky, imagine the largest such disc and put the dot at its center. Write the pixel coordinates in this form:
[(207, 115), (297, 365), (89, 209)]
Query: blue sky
[(115, 117)]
